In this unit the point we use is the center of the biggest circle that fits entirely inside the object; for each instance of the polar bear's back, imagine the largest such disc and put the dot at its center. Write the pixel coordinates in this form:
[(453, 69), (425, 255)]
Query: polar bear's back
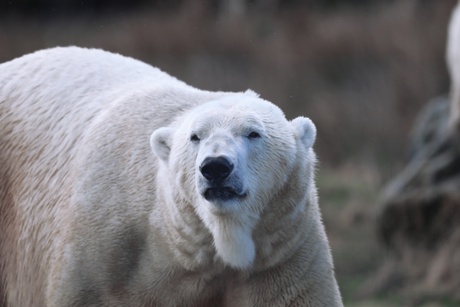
[(50, 98), (74, 73), (60, 87), (48, 102)]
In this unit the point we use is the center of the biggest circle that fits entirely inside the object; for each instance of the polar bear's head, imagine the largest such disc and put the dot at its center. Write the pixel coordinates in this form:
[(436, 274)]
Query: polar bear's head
[(228, 158)]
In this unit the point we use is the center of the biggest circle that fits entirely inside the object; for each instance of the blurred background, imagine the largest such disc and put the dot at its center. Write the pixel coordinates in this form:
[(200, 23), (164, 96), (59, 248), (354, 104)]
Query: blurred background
[(362, 70)]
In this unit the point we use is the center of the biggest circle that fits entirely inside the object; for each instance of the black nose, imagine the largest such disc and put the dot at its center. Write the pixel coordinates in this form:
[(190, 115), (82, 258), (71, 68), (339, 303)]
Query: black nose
[(216, 169)]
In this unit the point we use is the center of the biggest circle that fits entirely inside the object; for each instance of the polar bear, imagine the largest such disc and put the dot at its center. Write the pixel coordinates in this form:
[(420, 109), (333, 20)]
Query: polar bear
[(123, 186)]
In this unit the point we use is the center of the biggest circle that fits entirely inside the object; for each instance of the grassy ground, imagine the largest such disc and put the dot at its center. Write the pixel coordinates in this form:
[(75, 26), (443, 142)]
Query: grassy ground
[(349, 200)]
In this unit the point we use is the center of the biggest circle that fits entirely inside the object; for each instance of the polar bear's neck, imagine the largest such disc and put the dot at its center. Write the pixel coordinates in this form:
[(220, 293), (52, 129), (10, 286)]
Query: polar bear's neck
[(290, 219), (202, 239), (232, 237), (186, 237), (234, 244)]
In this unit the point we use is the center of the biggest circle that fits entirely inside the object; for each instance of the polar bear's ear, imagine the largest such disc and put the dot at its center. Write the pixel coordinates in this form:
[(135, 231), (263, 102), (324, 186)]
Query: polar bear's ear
[(160, 142), (304, 130)]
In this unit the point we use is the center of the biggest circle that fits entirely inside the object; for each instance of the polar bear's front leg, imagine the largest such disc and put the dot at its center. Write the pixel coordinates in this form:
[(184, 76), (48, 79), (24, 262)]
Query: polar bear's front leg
[(72, 281), (63, 289)]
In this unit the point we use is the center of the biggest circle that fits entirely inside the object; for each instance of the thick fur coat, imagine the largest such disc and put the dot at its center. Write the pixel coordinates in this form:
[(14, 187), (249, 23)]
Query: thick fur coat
[(123, 186)]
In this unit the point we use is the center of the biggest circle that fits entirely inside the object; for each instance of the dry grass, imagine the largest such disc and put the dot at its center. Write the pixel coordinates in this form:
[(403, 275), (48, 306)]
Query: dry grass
[(366, 273), (360, 75)]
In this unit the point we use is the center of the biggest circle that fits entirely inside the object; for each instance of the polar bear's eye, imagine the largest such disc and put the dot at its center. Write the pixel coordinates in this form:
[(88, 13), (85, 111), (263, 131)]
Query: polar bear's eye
[(254, 135), (194, 138)]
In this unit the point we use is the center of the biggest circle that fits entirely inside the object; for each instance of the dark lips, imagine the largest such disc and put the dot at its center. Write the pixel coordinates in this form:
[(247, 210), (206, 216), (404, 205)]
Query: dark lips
[(221, 193)]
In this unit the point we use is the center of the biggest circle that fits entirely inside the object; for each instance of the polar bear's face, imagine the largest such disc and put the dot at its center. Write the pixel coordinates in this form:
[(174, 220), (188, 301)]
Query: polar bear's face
[(229, 158)]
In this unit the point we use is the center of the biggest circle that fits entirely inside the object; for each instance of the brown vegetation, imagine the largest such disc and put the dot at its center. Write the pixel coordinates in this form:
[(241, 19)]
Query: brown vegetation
[(420, 210), (361, 75), (420, 214)]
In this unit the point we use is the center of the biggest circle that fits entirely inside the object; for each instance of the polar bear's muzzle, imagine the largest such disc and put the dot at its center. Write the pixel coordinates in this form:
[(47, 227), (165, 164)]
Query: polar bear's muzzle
[(216, 169), (221, 194), (219, 183)]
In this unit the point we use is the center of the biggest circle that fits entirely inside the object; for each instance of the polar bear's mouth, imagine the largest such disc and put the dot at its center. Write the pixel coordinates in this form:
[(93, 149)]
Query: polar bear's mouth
[(222, 194)]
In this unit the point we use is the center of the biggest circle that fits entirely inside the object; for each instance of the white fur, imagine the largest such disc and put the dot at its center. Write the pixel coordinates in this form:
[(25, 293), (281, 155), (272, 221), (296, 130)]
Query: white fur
[(160, 141), (453, 65), (305, 130), (103, 202)]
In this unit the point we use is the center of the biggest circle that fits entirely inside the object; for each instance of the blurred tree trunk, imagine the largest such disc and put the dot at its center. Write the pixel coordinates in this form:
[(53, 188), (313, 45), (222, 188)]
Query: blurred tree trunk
[(419, 217)]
